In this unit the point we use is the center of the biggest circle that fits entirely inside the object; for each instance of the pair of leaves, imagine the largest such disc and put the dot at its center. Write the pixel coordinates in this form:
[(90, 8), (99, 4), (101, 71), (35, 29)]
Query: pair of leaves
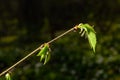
[(90, 33), (8, 77), (44, 53)]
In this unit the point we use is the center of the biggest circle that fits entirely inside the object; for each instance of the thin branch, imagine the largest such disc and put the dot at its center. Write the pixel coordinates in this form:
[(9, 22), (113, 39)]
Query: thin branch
[(61, 35), (7, 70), (39, 48)]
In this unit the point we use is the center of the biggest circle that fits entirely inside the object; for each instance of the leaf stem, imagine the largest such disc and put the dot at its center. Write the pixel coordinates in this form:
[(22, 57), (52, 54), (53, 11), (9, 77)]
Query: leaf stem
[(39, 48)]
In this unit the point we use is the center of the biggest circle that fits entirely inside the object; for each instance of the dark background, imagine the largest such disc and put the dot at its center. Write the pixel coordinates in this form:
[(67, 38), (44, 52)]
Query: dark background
[(26, 24)]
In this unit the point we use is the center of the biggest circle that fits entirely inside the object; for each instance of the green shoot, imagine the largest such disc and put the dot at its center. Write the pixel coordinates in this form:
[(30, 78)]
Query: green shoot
[(44, 53), (8, 77), (90, 33)]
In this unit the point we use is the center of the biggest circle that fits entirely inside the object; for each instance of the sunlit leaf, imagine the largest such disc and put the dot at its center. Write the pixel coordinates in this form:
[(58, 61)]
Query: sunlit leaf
[(7, 76), (42, 57), (44, 49), (47, 57), (92, 39), (91, 36), (44, 53), (89, 31)]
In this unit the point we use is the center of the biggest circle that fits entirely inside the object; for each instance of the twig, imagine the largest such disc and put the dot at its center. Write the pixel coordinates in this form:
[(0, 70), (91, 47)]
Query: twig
[(61, 35), (39, 48), (7, 70)]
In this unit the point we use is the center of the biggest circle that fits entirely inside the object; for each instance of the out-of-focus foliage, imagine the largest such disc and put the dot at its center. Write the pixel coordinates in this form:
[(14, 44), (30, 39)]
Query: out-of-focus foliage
[(25, 24)]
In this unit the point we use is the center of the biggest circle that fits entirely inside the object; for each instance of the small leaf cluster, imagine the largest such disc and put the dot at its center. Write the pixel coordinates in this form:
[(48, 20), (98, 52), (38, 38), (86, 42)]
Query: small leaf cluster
[(89, 32), (44, 53)]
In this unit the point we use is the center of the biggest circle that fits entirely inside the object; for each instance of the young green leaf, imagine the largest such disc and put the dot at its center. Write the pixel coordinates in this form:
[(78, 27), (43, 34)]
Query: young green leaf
[(82, 27), (89, 28), (42, 57), (47, 57), (44, 49), (92, 39), (44, 53), (7, 76), (90, 34)]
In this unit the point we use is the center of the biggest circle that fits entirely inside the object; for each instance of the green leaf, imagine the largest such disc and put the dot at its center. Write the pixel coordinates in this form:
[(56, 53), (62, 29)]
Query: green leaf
[(43, 50), (44, 53), (42, 57), (89, 28), (7, 76), (90, 32), (47, 57), (92, 40)]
